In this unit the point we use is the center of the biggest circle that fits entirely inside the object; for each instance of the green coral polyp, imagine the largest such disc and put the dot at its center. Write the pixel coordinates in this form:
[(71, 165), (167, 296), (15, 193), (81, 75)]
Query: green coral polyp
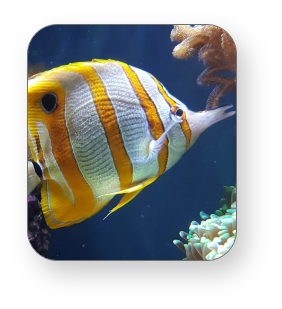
[(218, 212), (214, 236)]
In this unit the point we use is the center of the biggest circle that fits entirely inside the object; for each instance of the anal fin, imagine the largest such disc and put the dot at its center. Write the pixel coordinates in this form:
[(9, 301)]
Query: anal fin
[(137, 187), (131, 193), (125, 199)]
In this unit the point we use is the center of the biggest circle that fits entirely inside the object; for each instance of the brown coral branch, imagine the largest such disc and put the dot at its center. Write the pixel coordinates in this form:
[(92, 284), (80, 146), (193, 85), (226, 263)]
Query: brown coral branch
[(212, 76), (189, 47), (218, 91), (217, 51)]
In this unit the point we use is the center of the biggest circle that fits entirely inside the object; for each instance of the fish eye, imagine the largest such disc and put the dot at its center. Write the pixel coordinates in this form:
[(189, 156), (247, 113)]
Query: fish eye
[(177, 114), (49, 102)]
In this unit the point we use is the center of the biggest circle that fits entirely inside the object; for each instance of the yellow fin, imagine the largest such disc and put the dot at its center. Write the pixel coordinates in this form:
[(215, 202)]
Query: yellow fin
[(59, 209), (125, 199), (131, 193), (105, 61), (139, 186)]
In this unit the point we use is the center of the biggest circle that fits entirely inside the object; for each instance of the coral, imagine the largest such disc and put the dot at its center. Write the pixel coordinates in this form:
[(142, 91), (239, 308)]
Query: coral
[(214, 236), (38, 236), (217, 51)]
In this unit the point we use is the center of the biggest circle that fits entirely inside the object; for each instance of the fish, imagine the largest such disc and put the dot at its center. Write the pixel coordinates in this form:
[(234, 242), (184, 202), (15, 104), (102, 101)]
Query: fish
[(101, 128)]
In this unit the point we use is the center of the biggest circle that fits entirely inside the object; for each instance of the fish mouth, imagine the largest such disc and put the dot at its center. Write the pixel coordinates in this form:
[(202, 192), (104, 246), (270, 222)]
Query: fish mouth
[(200, 121), (221, 110)]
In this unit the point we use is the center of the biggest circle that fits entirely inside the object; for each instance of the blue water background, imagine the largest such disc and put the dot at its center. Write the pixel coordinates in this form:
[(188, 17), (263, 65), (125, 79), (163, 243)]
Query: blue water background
[(145, 228)]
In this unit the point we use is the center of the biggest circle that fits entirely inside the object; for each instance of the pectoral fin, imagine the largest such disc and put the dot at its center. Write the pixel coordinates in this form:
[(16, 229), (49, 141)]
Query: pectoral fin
[(156, 146)]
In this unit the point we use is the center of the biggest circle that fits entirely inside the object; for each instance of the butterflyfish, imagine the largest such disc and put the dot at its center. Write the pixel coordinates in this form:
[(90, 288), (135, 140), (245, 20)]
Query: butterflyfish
[(101, 128)]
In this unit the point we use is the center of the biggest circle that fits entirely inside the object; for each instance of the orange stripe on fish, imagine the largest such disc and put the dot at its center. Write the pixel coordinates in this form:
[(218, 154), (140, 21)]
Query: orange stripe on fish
[(156, 125), (184, 125), (57, 207), (108, 119)]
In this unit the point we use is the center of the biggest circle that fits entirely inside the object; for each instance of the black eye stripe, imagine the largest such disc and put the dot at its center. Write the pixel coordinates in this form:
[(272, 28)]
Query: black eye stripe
[(49, 102)]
